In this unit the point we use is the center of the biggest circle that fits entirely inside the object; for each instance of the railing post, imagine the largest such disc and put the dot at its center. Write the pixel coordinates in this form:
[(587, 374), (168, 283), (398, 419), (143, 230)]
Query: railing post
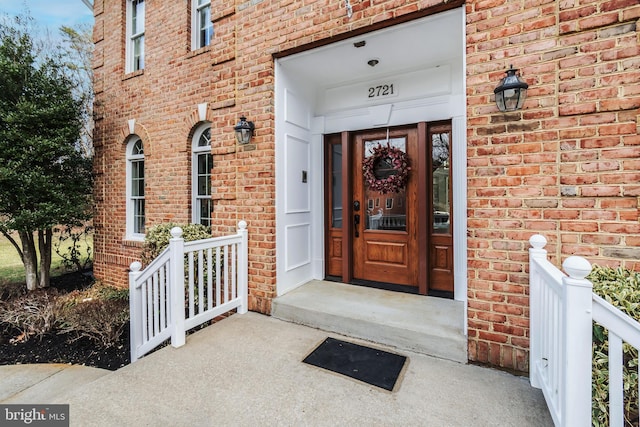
[(577, 345), (135, 311), (243, 268), (536, 251), (176, 263)]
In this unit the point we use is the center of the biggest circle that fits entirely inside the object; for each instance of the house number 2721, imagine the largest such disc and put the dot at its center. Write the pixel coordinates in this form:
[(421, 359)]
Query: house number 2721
[(381, 90)]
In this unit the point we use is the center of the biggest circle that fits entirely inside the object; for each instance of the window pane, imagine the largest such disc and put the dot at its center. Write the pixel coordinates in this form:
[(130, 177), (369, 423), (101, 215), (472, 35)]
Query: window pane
[(336, 186), (138, 216), (204, 174), (202, 185), (140, 188), (205, 26), (138, 53), (137, 178), (205, 138), (205, 164), (138, 169), (385, 211), (441, 195), (137, 22), (137, 148), (205, 211)]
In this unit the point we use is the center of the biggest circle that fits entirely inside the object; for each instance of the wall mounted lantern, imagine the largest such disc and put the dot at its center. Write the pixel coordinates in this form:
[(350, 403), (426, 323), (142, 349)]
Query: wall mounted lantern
[(511, 92), (244, 130)]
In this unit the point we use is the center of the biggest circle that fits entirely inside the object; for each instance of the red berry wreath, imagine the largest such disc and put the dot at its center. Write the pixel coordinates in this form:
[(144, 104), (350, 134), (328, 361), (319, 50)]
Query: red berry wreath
[(391, 160)]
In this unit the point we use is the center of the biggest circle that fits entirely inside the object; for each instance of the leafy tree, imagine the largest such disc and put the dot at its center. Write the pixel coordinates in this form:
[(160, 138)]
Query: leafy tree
[(44, 180)]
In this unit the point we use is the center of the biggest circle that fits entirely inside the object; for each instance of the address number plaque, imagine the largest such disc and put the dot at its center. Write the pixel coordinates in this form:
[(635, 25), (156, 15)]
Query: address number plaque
[(382, 91)]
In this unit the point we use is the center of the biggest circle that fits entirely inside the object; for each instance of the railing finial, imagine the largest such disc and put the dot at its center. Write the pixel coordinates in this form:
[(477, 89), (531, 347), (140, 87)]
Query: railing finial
[(176, 232), (538, 241), (242, 225), (576, 267), (135, 266)]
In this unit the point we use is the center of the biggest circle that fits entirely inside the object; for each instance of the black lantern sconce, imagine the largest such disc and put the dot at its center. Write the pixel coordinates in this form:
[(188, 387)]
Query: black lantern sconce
[(511, 92), (244, 130)]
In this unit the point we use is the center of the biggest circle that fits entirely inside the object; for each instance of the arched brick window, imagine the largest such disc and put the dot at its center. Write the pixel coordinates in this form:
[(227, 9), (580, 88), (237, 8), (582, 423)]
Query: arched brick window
[(135, 189), (202, 163)]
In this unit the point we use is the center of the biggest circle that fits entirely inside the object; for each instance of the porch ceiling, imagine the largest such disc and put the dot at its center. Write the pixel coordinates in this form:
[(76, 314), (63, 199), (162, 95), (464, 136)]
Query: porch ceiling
[(422, 43)]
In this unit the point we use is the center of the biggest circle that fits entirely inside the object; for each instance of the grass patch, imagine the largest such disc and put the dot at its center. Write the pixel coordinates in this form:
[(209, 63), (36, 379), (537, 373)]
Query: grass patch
[(11, 268)]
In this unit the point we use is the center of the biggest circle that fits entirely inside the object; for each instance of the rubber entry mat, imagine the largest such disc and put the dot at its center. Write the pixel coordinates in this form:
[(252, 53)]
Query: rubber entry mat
[(369, 365)]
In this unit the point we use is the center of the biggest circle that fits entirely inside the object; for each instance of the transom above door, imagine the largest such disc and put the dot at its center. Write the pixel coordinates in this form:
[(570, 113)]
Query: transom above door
[(400, 236)]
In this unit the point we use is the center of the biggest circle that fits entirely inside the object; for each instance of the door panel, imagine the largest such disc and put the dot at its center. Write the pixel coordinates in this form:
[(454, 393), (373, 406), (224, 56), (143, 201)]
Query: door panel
[(385, 248), (334, 252), (385, 252)]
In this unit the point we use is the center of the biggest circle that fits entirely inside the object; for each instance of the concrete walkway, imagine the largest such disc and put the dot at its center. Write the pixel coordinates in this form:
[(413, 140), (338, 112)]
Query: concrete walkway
[(43, 383), (246, 370)]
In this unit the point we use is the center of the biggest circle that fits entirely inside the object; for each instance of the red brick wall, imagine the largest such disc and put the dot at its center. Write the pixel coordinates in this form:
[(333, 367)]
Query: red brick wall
[(567, 166), (234, 76)]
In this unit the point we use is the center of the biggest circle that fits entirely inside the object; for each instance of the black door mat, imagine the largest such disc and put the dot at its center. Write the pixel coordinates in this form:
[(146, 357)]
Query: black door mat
[(369, 365)]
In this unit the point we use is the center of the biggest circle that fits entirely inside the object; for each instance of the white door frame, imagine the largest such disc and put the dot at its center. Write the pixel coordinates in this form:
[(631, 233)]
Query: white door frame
[(299, 98)]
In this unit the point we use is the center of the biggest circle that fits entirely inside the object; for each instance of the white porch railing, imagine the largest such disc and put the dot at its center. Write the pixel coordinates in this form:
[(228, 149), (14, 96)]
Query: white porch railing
[(562, 311), (165, 303)]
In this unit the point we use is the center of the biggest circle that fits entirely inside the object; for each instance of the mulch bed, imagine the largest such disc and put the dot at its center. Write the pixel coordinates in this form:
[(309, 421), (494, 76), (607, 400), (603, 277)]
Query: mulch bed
[(65, 348)]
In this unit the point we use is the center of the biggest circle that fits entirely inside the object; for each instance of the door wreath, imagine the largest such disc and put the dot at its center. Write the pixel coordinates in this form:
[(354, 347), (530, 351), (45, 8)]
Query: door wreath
[(386, 170)]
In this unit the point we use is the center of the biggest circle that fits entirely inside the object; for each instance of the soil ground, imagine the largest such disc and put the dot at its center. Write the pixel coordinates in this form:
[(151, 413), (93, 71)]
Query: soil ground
[(64, 348)]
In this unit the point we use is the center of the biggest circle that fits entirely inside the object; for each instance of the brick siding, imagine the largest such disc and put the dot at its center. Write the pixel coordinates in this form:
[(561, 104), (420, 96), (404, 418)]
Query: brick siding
[(566, 166)]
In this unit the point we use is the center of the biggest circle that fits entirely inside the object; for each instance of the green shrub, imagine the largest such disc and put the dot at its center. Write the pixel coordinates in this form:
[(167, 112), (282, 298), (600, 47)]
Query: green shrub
[(157, 238), (621, 288)]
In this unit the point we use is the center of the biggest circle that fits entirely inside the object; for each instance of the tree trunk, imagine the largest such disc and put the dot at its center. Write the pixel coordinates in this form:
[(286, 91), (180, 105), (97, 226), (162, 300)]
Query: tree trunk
[(44, 245), (30, 260)]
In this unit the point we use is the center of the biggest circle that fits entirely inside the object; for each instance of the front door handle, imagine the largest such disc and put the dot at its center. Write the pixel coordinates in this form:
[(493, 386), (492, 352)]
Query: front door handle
[(356, 221)]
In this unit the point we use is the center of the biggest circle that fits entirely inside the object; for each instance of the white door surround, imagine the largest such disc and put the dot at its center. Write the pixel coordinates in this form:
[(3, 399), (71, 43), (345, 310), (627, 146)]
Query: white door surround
[(335, 88)]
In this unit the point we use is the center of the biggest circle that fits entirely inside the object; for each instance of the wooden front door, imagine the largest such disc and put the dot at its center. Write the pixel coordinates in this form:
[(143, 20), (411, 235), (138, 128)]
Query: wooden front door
[(385, 244), (399, 238)]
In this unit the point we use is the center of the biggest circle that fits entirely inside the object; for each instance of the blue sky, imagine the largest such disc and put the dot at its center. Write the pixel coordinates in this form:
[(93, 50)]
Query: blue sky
[(50, 14)]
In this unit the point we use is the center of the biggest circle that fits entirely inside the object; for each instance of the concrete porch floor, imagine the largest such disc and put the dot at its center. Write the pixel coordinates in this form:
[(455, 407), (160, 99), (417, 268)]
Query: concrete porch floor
[(427, 325), (246, 370)]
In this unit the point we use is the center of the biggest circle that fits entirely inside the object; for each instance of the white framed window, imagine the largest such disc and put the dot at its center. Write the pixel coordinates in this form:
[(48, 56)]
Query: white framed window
[(202, 164), (135, 35), (135, 189), (201, 27)]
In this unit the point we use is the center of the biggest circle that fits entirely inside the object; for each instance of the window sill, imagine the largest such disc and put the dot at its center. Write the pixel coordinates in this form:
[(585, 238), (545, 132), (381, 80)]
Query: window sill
[(133, 241), (199, 51), (133, 74)]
